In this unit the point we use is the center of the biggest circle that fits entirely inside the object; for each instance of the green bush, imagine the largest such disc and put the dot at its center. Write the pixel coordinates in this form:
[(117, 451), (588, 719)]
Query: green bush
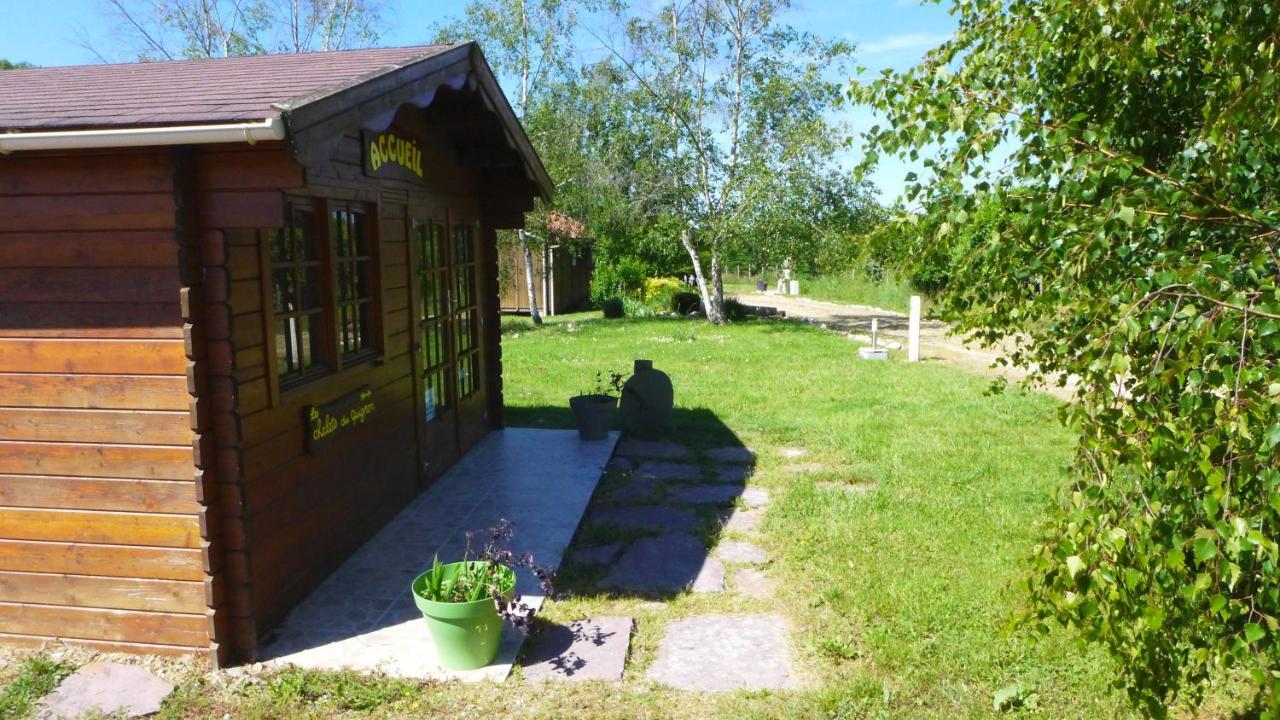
[(634, 308), (613, 308), (683, 303), (658, 293), (622, 276)]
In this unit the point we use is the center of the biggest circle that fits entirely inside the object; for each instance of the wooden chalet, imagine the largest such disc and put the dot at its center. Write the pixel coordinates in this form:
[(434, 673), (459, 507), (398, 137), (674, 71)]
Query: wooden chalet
[(248, 309)]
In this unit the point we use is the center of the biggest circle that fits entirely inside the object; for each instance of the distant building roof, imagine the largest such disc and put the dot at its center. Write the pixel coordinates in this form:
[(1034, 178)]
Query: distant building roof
[(187, 91), (565, 226)]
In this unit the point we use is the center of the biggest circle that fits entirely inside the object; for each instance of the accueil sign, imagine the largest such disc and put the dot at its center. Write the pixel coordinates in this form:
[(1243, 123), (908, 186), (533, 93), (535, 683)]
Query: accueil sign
[(389, 155)]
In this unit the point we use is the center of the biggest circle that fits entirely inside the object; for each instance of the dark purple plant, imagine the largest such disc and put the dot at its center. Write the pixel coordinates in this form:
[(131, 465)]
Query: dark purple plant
[(496, 552)]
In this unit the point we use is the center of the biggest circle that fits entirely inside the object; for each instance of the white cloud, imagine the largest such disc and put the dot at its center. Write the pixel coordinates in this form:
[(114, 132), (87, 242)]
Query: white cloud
[(904, 41)]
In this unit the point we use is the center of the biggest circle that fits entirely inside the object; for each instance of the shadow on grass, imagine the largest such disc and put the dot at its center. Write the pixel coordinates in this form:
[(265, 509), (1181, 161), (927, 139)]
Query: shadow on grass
[(649, 527)]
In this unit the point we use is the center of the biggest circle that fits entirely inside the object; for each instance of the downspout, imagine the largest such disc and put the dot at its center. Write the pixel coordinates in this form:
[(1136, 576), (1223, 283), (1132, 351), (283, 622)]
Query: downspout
[(248, 132)]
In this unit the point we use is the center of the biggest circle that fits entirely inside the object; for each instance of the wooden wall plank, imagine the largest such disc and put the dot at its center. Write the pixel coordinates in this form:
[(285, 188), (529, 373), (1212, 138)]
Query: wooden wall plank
[(146, 172), (256, 169), (77, 356), (121, 392), (106, 646), (91, 493), (75, 285), (85, 318), (88, 249), (103, 592), (84, 526), (121, 427), (149, 462), (98, 624), (36, 213), (111, 560)]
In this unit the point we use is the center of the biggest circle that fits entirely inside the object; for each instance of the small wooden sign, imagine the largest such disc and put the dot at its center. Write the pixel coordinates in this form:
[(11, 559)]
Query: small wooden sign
[(328, 421), (389, 155)]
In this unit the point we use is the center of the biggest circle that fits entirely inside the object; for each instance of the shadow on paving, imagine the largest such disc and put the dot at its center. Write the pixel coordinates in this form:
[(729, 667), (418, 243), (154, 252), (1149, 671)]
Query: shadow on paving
[(659, 509)]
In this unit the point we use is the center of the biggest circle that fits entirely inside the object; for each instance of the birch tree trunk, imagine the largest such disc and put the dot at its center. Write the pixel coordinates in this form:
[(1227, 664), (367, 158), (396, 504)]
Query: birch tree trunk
[(710, 301), (527, 251)]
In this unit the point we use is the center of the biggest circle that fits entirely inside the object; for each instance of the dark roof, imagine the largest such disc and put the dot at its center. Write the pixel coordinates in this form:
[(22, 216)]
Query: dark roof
[(187, 91)]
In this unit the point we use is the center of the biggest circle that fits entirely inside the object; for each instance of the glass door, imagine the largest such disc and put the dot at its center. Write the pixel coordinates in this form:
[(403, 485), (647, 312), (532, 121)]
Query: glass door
[(468, 334), (434, 344)]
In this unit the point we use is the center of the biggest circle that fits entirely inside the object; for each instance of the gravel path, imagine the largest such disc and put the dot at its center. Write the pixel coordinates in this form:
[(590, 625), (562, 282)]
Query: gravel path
[(936, 342)]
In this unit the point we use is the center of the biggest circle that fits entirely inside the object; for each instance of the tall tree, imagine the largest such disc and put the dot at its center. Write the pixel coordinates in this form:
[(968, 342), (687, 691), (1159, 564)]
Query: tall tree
[(9, 65), (1137, 252), (174, 29), (529, 43), (720, 78)]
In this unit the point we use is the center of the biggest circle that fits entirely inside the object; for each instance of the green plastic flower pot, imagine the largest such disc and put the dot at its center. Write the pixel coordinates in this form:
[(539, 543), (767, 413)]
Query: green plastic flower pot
[(466, 633)]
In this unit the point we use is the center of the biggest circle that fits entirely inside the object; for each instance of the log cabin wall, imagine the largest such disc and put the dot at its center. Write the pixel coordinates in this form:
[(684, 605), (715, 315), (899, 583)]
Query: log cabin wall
[(293, 515), (103, 535)]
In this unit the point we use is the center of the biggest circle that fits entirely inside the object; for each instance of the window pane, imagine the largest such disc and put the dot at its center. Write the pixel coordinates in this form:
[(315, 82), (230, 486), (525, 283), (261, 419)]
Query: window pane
[(311, 288), (286, 351), (304, 235), (364, 278), (359, 243), (283, 290), (281, 245)]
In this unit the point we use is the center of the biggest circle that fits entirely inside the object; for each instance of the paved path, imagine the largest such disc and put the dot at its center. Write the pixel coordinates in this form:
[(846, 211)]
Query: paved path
[(663, 491), (936, 341)]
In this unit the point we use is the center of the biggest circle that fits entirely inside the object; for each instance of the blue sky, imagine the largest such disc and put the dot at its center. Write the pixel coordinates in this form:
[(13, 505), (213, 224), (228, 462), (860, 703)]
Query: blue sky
[(889, 33)]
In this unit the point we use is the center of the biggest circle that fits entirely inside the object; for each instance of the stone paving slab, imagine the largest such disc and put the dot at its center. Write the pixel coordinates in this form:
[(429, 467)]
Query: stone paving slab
[(711, 653), (732, 454), (362, 618), (636, 448), (755, 497), (698, 494), (620, 463), (850, 488), (792, 452), (735, 474), (644, 517), (594, 649), (669, 563), (735, 551), (744, 521), (597, 554), (106, 689), (667, 471), (752, 583), (636, 489)]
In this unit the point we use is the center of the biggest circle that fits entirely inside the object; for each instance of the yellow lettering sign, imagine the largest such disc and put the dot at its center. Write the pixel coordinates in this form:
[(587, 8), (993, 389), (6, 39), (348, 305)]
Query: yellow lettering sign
[(387, 148)]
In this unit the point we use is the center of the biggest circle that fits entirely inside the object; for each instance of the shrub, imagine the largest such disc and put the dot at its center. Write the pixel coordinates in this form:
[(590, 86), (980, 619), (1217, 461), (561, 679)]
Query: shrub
[(633, 308), (613, 308), (686, 302), (734, 310), (658, 292), (623, 276)]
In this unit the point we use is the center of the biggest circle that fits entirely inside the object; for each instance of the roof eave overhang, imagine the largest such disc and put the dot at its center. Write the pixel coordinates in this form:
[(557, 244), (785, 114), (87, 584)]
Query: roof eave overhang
[(316, 124)]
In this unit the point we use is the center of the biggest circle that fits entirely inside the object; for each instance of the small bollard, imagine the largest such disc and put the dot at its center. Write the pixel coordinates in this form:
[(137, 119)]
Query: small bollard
[(874, 352)]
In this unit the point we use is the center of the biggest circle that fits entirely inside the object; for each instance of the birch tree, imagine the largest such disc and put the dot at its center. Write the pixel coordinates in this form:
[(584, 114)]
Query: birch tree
[(713, 72), (529, 44), (189, 29)]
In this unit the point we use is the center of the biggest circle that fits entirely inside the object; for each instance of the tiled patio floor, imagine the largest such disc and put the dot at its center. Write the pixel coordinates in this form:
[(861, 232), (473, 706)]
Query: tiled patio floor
[(363, 618)]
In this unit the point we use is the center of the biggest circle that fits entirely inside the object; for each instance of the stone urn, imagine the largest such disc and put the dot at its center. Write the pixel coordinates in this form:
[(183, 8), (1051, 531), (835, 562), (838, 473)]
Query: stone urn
[(647, 399)]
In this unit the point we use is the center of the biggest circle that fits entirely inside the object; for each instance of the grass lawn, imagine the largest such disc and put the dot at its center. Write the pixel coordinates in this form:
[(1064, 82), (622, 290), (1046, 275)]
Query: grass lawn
[(897, 547)]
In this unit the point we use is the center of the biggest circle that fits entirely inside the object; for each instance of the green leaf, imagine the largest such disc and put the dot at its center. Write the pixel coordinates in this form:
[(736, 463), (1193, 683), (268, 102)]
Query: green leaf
[(1253, 632), (1126, 215), (1074, 565), (1204, 549)]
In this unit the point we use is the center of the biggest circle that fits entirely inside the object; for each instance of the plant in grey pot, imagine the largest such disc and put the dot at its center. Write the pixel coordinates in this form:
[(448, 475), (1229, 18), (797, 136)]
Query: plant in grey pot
[(594, 411)]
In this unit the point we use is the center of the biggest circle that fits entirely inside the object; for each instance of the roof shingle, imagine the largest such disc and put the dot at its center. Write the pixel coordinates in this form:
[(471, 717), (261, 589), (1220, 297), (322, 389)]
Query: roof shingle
[(185, 91)]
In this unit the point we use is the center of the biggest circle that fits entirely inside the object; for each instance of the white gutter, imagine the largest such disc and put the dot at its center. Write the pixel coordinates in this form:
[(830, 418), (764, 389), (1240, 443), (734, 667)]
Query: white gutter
[(249, 132)]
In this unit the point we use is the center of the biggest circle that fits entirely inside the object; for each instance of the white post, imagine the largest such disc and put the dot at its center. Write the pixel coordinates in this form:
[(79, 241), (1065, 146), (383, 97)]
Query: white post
[(875, 330), (913, 331)]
